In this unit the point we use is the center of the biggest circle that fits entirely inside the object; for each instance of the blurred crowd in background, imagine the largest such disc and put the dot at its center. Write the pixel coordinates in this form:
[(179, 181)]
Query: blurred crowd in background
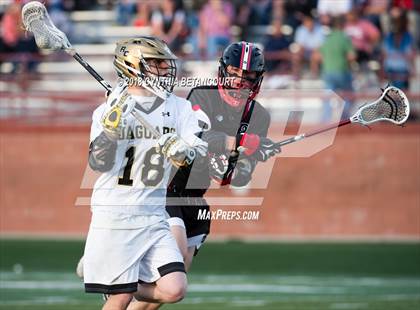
[(326, 39)]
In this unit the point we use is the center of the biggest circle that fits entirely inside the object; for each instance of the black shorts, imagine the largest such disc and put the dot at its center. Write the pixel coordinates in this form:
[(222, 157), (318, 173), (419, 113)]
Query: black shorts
[(196, 228), (190, 215)]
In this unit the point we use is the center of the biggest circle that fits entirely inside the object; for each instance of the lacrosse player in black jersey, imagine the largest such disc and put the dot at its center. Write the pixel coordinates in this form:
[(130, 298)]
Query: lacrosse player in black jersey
[(235, 127)]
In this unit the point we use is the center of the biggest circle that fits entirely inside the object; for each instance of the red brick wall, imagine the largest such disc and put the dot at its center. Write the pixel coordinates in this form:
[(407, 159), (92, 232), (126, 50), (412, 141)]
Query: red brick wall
[(366, 185)]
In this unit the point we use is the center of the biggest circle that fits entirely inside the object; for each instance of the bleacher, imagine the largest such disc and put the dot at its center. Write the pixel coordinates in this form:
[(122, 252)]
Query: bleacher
[(94, 34)]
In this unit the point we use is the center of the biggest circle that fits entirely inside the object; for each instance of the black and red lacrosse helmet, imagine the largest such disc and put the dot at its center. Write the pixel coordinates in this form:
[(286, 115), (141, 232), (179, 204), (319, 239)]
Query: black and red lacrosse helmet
[(249, 58)]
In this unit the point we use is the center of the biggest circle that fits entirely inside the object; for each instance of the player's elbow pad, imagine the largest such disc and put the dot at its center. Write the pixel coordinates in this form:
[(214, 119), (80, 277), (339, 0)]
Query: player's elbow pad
[(102, 153)]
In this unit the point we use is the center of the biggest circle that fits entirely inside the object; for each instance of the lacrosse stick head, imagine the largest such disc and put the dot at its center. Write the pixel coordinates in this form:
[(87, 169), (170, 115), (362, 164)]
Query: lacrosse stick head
[(47, 36), (393, 106)]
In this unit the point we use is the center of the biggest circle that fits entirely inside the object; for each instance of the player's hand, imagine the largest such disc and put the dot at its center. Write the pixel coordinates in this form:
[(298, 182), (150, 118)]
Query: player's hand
[(176, 149), (260, 148), (218, 166), (243, 172), (119, 104)]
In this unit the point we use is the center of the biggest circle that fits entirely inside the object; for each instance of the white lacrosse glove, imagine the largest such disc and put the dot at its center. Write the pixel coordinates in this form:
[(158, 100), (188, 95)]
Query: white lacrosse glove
[(218, 166), (176, 149), (118, 105)]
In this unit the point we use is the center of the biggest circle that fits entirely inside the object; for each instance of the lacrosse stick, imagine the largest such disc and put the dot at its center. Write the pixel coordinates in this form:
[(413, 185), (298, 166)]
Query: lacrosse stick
[(392, 106), (47, 36)]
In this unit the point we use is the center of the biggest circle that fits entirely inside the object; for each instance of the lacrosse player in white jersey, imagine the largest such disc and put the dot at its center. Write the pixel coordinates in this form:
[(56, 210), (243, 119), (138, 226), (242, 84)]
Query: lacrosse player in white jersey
[(130, 250)]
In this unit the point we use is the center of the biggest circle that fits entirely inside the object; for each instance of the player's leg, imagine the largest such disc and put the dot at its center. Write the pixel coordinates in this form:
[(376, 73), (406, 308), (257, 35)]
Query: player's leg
[(188, 247), (188, 230), (180, 235), (197, 229), (79, 268), (183, 218), (162, 265), (189, 257), (170, 288), (110, 264), (117, 301)]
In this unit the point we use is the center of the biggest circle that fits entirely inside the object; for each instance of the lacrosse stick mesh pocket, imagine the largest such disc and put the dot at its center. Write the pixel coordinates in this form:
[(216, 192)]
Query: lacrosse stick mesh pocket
[(392, 106), (36, 20)]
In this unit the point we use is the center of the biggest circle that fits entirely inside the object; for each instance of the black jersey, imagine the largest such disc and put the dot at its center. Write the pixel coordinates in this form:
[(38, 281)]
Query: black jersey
[(218, 120)]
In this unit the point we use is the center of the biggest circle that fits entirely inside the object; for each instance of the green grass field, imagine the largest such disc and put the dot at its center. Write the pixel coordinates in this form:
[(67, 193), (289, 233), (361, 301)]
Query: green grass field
[(38, 274)]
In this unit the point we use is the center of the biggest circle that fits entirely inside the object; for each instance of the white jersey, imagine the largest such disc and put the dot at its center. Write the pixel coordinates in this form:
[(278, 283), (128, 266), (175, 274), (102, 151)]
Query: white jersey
[(137, 182)]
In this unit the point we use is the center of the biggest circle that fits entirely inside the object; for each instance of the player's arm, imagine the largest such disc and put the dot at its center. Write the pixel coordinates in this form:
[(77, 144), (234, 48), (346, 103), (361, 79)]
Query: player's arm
[(102, 153), (217, 141), (257, 149), (107, 123), (184, 147), (256, 145)]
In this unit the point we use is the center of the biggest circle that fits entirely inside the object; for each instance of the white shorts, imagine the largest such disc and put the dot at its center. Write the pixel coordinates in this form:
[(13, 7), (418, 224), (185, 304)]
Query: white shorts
[(115, 260)]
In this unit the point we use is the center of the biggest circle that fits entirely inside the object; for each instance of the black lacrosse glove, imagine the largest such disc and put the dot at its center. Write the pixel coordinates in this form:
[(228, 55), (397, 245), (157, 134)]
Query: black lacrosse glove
[(254, 146), (266, 149), (243, 172)]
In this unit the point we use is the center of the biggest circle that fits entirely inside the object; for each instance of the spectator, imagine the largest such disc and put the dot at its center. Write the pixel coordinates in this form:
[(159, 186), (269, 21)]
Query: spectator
[(364, 35), (255, 12), (309, 37), (276, 49), (336, 55), (398, 51), (15, 40), (332, 8), (142, 17), (193, 24), (215, 21), (403, 4), (295, 10), (60, 18), (125, 11), (11, 23), (372, 11), (168, 24)]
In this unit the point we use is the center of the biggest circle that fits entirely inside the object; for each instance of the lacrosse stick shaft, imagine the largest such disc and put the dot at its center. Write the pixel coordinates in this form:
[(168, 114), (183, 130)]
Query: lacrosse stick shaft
[(89, 69), (312, 133), (108, 87), (36, 19)]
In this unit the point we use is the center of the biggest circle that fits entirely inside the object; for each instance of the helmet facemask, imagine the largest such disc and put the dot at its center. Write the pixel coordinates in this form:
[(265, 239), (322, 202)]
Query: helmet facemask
[(161, 72), (237, 90), (156, 75), (241, 72)]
